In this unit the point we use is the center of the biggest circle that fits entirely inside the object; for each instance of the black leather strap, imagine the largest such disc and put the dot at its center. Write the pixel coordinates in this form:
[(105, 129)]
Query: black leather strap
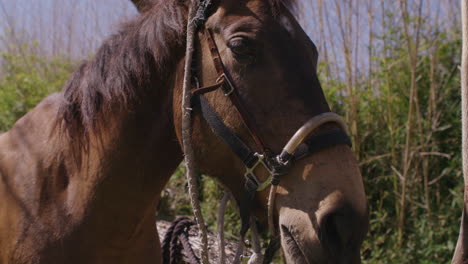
[(245, 154), (322, 141)]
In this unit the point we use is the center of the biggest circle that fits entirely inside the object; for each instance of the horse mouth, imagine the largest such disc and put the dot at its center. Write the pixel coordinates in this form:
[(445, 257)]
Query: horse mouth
[(291, 246)]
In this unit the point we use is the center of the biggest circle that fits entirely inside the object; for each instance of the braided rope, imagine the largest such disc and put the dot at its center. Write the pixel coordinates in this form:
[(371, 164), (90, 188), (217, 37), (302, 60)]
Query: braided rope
[(175, 239), (187, 131), (189, 253), (197, 15), (175, 250), (180, 235), (166, 244)]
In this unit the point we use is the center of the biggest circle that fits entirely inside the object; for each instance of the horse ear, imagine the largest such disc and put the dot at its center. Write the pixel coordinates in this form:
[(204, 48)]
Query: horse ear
[(142, 5)]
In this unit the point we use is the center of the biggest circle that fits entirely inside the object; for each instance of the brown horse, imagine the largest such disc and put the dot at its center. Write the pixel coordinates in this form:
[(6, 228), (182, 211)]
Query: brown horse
[(81, 174)]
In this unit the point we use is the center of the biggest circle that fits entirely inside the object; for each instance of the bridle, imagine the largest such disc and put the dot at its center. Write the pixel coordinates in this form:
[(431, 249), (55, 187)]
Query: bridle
[(299, 146)]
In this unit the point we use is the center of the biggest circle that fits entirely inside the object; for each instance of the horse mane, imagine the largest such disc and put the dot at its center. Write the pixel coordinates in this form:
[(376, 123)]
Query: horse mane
[(128, 64)]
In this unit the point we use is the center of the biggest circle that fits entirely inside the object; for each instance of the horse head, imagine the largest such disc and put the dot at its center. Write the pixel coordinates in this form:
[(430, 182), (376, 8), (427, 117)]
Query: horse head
[(257, 70)]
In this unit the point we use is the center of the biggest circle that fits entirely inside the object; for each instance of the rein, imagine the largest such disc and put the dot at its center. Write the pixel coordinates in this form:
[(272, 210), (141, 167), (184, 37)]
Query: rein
[(277, 165)]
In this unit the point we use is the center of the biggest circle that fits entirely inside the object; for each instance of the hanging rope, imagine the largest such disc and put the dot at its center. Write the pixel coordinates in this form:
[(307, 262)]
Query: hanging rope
[(166, 244), (239, 251), (197, 15), (176, 239), (257, 256), (220, 224), (180, 237), (187, 129)]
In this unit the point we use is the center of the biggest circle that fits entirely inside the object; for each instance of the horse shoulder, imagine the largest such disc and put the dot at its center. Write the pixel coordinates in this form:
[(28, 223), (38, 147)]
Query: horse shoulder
[(31, 136), (26, 151)]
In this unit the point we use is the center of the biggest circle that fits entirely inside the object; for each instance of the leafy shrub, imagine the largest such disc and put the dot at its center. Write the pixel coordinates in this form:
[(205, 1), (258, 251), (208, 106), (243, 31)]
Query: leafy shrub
[(25, 79)]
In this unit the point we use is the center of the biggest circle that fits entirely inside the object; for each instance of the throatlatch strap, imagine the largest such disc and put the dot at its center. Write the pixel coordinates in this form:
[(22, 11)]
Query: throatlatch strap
[(242, 151), (245, 154)]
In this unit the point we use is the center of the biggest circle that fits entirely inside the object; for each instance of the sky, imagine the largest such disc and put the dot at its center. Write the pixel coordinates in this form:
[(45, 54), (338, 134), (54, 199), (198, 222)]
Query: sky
[(64, 26), (78, 27), (67, 26)]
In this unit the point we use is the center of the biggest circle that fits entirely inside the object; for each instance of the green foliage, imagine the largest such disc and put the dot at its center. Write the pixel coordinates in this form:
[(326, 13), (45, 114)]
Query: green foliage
[(435, 183), (25, 79)]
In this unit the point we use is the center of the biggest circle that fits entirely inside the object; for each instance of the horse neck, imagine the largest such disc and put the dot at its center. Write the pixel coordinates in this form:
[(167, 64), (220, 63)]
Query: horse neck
[(121, 106), (130, 157), (127, 163), (121, 101)]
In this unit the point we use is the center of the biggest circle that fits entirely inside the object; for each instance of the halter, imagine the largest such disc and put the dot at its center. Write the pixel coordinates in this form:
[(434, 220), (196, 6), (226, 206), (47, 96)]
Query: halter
[(299, 146)]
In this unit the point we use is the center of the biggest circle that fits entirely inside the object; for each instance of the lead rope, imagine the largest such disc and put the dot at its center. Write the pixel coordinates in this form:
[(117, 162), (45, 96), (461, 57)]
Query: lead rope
[(187, 131), (257, 257), (220, 224), (189, 154)]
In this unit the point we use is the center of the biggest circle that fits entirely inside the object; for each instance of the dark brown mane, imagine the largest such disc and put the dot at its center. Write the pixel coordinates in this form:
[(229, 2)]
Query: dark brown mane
[(131, 63)]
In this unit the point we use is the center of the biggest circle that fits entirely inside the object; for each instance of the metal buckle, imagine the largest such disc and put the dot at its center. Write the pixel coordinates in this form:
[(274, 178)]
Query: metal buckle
[(250, 171), (231, 86)]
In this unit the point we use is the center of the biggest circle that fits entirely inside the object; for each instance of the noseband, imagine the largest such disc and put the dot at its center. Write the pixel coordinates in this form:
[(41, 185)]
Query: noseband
[(299, 146)]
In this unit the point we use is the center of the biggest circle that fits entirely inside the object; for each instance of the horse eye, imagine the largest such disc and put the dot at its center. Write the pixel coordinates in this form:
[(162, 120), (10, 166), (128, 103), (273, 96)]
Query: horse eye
[(242, 46)]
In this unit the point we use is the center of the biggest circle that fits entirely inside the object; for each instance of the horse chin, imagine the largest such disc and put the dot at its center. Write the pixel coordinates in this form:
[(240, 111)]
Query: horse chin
[(300, 250), (303, 244)]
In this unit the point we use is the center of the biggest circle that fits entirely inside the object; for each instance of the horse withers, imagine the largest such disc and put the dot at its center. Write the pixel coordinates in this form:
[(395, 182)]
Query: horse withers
[(82, 172)]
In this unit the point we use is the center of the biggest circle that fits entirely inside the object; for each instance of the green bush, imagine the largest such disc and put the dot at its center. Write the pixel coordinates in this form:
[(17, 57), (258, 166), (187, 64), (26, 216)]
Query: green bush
[(25, 79), (435, 183)]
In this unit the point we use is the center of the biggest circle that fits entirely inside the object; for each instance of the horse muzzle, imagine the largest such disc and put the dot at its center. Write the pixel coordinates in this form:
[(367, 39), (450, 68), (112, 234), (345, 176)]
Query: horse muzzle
[(336, 239), (322, 209)]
